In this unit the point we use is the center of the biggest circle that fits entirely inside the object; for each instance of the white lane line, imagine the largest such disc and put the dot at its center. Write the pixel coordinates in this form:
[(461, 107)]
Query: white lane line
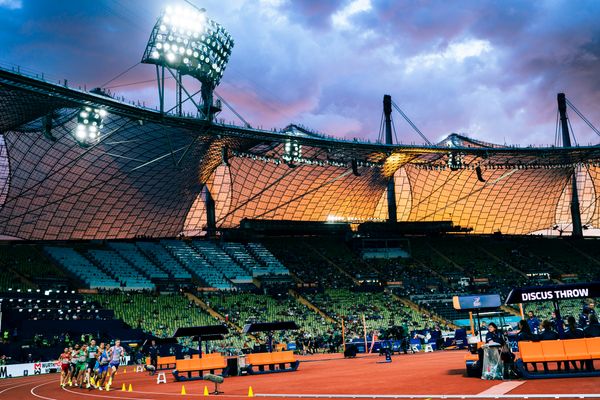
[(10, 387), (39, 396), (6, 382), (104, 396), (502, 388), (431, 396)]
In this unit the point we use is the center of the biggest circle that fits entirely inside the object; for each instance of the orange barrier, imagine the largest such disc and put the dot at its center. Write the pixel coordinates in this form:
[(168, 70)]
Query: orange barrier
[(559, 351), (593, 347), (576, 349), (271, 360), (163, 362), (206, 355), (209, 363)]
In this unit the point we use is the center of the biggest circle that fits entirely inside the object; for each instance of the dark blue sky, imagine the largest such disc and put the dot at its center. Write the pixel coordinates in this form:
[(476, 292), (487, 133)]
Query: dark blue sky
[(489, 69)]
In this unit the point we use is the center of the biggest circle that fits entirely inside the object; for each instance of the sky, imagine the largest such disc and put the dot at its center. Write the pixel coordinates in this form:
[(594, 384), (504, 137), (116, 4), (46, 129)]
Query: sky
[(487, 69)]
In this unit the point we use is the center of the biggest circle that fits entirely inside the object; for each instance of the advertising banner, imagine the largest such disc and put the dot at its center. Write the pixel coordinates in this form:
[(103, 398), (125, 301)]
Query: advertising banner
[(554, 292)]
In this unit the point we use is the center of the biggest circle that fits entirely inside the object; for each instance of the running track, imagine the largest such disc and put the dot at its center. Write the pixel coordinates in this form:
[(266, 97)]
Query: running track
[(424, 376)]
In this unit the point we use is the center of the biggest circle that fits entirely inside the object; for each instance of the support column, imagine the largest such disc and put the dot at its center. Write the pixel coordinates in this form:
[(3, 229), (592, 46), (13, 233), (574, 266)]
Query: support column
[(207, 99), (211, 222), (179, 94), (575, 212), (391, 186)]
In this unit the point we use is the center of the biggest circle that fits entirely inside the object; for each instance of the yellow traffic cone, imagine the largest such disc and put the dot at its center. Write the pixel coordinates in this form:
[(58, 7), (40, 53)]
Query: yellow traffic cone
[(183, 390), (124, 370), (205, 391), (123, 388), (250, 392), (130, 388)]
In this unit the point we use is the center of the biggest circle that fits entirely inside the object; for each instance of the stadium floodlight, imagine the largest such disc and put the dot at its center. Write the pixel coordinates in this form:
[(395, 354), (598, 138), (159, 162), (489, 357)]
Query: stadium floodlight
[(292, 150), (185, 39), (455, 161), (89, 124)]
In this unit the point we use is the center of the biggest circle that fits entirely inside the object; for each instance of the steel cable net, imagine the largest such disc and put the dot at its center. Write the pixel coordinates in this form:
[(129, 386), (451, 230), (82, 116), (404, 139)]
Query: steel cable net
[(147, 177)]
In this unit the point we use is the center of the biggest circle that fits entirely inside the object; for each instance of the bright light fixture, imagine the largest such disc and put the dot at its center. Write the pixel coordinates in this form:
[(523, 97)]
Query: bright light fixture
[(292, 150), (89, 124), (184, 38)]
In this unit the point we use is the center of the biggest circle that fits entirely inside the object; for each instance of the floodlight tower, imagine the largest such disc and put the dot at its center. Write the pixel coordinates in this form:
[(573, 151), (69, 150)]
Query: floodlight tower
[(185, 41), (575, 212), (391, 185)]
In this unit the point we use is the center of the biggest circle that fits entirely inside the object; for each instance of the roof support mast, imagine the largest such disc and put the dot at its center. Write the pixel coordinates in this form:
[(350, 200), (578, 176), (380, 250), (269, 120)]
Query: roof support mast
[(575, 213), (391, 186)]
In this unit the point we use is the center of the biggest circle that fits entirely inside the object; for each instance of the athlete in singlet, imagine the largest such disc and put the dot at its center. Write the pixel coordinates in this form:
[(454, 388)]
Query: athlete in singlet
[(81, 366), (72, 370), (65, 360), (91, 361), (115, 353), (103, 361)]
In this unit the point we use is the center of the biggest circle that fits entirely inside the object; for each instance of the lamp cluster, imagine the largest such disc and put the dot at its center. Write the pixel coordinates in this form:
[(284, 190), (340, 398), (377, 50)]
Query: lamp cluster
[(455, 160), (292, 151), (302, 160), (187, 40), (89, 124), (353, 220), (509, 166)]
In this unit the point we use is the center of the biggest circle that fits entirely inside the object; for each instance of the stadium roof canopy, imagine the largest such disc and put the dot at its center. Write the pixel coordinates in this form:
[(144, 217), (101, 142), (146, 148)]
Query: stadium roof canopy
[(151, 174)]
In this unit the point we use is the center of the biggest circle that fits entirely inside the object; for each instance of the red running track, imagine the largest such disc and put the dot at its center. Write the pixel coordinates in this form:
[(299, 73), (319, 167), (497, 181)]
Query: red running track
[(424, 375)]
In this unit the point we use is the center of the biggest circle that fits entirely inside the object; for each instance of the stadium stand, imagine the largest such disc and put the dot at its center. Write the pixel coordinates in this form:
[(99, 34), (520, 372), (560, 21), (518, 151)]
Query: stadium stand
[(305, 265), (132, 253), (24, 266), (197, 264), (247, 308), (161, 256), (381, 310), (220, 260), (273, 265), (82, 268), (159, 315), (239, 253), (114, 265), (435, 270)]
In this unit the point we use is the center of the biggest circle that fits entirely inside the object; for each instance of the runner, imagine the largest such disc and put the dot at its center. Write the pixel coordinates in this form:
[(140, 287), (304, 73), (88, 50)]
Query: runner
[(103, 361), (91, 362), (65, 360), (115, 353), (81, 365), (72, 370)]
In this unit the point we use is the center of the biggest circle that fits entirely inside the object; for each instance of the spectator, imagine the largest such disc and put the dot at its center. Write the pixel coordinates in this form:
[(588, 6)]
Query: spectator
[(573, 332), (557, 324), (493, 335), (525, 333), (593, 329), (584, 317), (548, 334), (534, 323)]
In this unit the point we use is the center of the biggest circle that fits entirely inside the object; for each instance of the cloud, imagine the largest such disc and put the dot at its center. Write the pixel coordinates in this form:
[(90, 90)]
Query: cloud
[(341, 18), (488, 69), (454, 52), (11, 4)]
